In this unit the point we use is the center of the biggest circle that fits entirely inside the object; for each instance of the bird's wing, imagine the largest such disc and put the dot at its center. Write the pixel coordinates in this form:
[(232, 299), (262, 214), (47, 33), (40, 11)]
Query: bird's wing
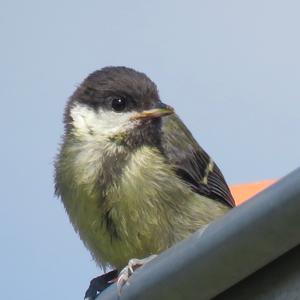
[(191, 162)]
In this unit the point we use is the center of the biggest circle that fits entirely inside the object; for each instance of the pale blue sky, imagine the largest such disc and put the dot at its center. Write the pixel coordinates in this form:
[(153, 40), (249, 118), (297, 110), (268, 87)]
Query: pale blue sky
[(230, 68)]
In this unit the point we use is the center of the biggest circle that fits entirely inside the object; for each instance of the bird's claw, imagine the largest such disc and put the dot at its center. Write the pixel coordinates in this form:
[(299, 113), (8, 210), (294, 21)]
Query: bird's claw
[(123, 278), (133, 264)]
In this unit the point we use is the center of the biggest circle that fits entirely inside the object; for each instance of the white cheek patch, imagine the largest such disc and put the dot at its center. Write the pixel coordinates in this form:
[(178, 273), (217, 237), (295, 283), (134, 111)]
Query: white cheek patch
[(88, 122)]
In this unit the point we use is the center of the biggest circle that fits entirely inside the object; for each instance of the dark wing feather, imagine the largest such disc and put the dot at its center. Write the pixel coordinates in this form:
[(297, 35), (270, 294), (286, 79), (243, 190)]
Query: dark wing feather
[(192, 163)]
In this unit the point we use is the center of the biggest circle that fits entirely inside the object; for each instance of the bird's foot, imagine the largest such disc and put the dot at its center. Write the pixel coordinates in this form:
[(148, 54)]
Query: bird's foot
[(133, 264), (99, 284)]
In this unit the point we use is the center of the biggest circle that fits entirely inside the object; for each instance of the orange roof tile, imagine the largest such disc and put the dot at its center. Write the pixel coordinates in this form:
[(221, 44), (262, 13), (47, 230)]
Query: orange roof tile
[(242, 192)]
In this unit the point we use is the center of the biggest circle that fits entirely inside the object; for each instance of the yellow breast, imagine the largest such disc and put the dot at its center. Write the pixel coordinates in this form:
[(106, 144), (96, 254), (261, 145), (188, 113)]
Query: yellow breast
[(148, 207)]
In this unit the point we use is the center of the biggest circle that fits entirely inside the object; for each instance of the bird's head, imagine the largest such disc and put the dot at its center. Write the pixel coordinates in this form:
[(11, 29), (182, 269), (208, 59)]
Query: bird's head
[(117, 104)]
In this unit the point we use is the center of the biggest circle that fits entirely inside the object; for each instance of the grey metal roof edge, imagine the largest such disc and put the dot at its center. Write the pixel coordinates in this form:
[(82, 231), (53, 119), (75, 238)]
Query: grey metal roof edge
[(279, 280), (228, 250)]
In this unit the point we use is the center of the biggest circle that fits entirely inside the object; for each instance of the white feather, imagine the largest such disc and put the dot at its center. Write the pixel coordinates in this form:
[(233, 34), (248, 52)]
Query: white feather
[(102, 123)]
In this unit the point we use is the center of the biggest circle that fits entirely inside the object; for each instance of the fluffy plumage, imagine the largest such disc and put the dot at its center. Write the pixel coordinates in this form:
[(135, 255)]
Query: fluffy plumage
[(132, 188)]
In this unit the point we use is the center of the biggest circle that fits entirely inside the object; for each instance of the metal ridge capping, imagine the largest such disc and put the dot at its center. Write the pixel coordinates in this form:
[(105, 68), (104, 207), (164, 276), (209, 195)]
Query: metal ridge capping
[(211, 260)]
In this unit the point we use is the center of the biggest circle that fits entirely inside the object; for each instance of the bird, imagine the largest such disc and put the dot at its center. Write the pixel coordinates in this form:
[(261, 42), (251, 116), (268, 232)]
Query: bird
[(131, 176)]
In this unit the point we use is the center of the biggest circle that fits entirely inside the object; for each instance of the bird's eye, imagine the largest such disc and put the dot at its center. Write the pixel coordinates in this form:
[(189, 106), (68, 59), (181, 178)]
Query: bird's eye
[(118, 104)]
